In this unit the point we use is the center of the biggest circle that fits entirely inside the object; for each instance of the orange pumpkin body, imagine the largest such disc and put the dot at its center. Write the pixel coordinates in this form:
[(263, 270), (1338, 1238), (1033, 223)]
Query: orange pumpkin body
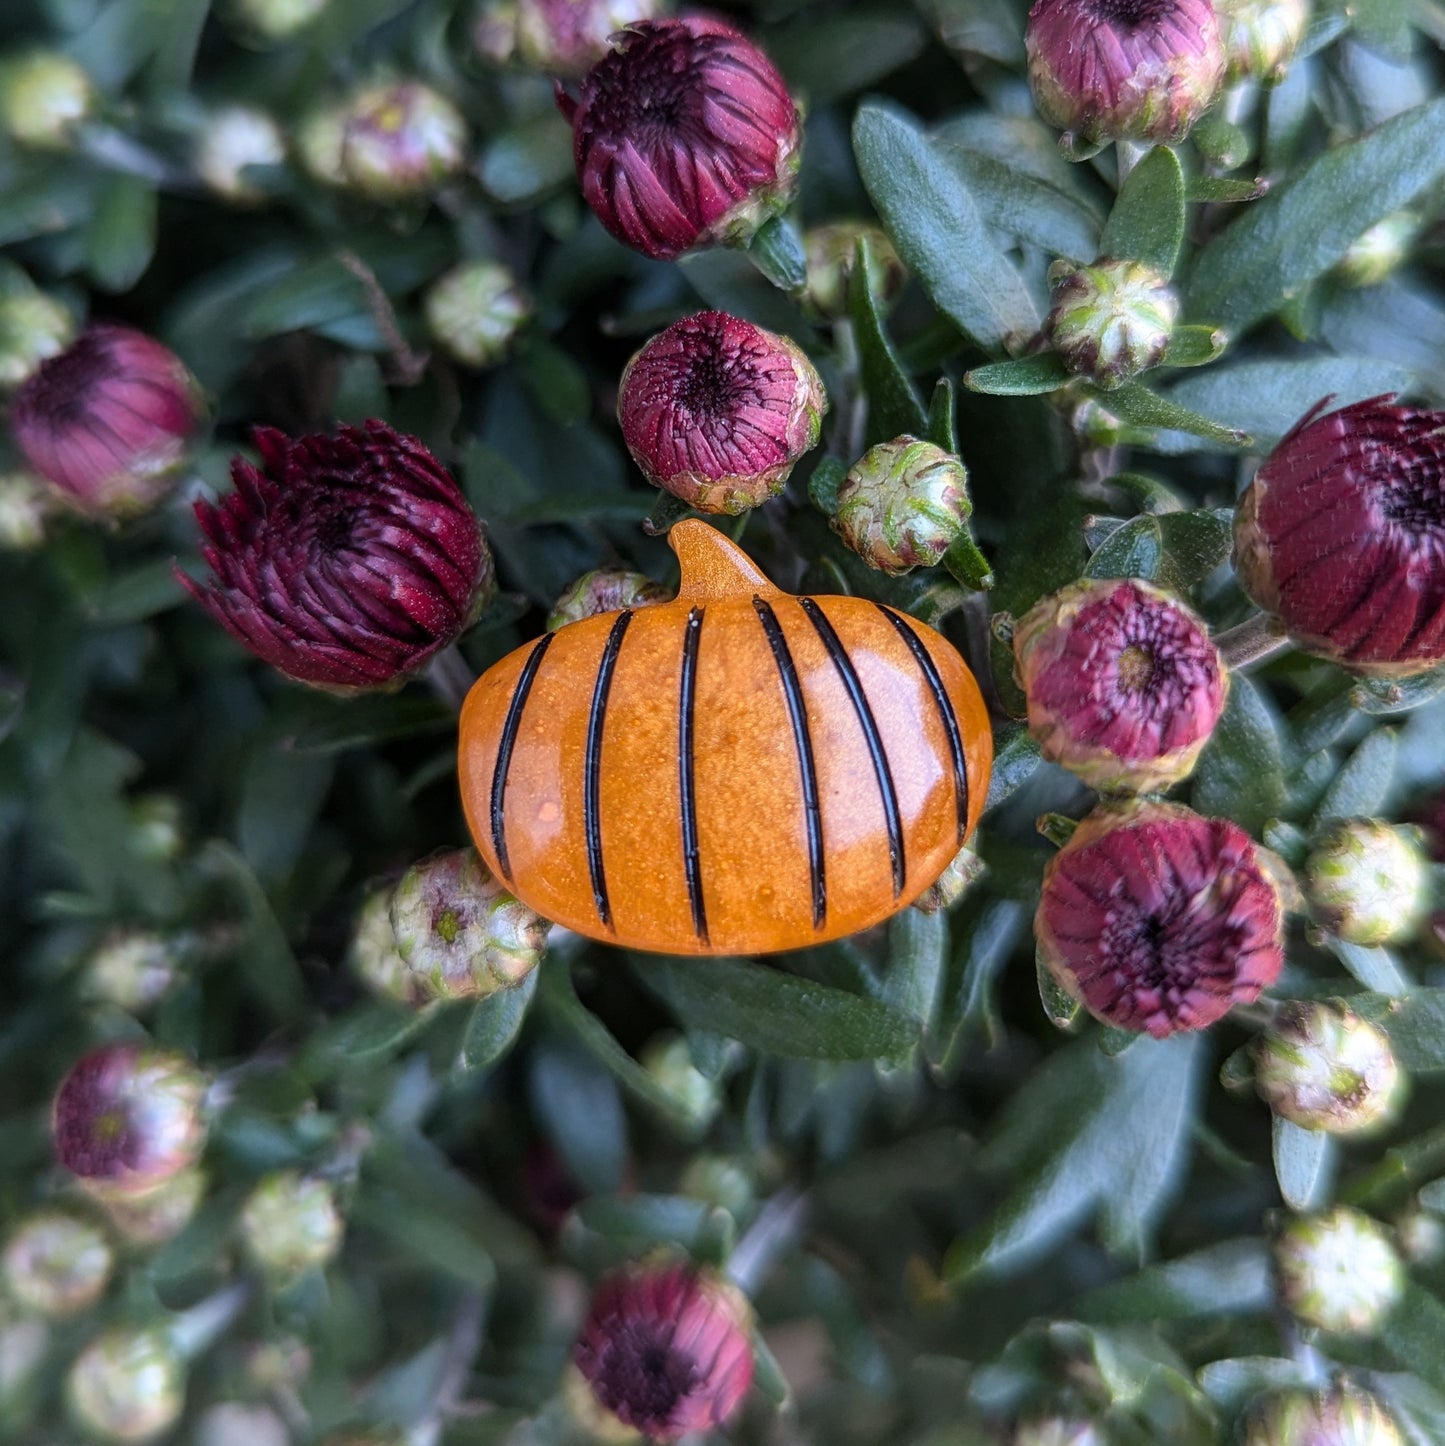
[(737, 771)]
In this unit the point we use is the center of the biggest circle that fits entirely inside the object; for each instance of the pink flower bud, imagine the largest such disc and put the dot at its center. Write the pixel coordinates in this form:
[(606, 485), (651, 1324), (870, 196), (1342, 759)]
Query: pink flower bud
[(1103, 70), (345, 561), (716, 411), (400, 141), (56, 1264), (556, 37), (1342, 536), (1124, 685), (684, 136), (107, 421), (1157, 919), (604, 590), (128, 1116), (666, 1350)]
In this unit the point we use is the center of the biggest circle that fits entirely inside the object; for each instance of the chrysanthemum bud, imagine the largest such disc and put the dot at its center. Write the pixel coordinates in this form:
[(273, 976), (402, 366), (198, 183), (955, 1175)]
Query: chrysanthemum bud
[(1376, 253), (345, 561), (665, 1350), (290, 1224), (129, 1116), (1111, 320), (56, 1264), (159, 1213), (277, 19), (1368, 881), (373, 955), (831, 251), (1419, 1234), (716, 411), (1261, 36), (459, 932), (131, 969), (475, 310), (158, 831), (107, 421), (1342, 536), (1323, 1067), (722, 1181), (127, 1385), (684, 136), (556, 37), (26, 505), (1124, 685), (668, 1060), (963, 871), (401, 141), (235, 138), (1157, 919), (1104, 70), (233, 1423), (1338, 1271), (604, 590), (902, 504), (1342, 1416), (1055, 1431), (319, 138), (44, 98), (33, 328)]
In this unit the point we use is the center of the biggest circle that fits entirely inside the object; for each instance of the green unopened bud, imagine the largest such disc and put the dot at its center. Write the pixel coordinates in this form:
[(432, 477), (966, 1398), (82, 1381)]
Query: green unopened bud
[(556, 37), (127, 1385), (234, 1424), (319, 139), (1368, 881), (26, 505), (460, 934), (1055, 1431), (131, 969), (1261, 36), (1344, 1416), (1325, 1068), (1338, 1271), (668, 1060), (604, 590), (161, 1213), (56, 1264), (831, 251), (401, 140), (1376, 253), (275, 19), (33, 328), (1111, 320), (373, 956), (722, 1181), (963, 871), (1419, 1234), (903, 504), (291, 1224), (475, 310), (157, 827), (44, 98), (234, 140)]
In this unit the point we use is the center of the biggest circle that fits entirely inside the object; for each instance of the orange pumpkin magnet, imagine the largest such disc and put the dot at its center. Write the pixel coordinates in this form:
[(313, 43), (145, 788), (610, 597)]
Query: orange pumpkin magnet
[(738, 771)]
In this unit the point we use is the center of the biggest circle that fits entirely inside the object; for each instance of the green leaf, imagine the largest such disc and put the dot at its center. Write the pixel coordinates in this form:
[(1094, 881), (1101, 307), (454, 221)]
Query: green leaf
[(1384, 696), (495, 1023), (777, 251), (1414, 1022), (1027, 377), (642, 1222), (1140, 407), (520, 165), (774, 1012), (1233, 1383), (1147, 222), (937, 229), (894, 407), (1412, 1334), (1234, 1277), (826, 57), (121, 237), (1134, 550), (1419, 1410), (329, 725), (828, 476), (575, 1100), (1362, 787), (941, 430), (364, 1036), (1195, 544), (1298, 232), (1195, 346), (917, 943), (1375, 968), (1240, 774), (1016, 757), (1302, 1164), (986, 943), (1053, 219)]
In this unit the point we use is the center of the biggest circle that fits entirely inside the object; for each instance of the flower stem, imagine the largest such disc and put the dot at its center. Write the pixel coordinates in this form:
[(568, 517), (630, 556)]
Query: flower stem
[(407, 364), (450, 677), (1254, 640), (779, 1225), (195, 1330)]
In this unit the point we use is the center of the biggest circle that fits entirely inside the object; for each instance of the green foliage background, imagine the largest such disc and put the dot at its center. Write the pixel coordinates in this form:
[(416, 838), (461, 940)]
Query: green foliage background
[(1003, 1218)]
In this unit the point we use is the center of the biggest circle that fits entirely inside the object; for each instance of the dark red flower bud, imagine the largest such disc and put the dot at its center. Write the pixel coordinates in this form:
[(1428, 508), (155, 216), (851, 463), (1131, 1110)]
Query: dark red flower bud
[(1104, 70), (1342, 536), (107, 421), (128, 1117), (716, 411), (684, 136), (1157, 919), (344, 561), (1124, 685), (666, 1349)]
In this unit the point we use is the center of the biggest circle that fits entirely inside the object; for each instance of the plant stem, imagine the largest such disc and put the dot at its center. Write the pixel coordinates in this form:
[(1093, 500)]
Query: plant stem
[(778, 1227), (1254, 640), (450, 677)]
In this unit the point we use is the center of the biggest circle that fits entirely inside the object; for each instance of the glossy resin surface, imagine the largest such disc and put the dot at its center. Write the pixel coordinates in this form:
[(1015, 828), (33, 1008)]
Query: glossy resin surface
[(738, 771)]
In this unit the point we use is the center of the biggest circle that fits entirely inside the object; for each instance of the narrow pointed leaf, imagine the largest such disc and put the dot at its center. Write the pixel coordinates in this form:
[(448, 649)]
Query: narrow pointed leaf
[(1147, 222)]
